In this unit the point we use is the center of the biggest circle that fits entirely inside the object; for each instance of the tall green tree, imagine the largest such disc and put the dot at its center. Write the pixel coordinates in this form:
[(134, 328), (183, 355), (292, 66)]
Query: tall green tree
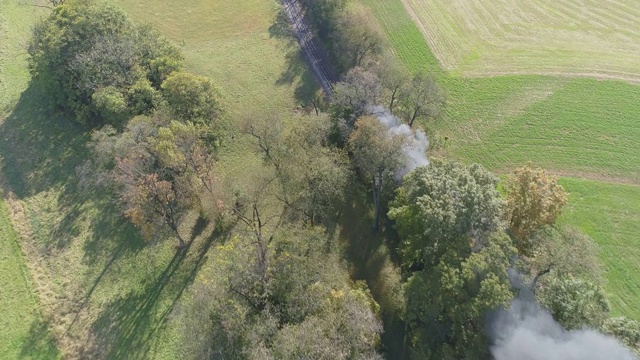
[(421, 98), (394, 78), (313, 177), (574, 303), (449, 217), (445, 206), (356, 43), (160, 169), (562, 251), (377, 154), (90, 56), (191, 97), (447, 302), (304, 307)]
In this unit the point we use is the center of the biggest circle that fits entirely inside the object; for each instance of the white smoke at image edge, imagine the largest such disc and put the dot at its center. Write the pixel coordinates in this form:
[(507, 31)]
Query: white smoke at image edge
[(525, 331), (415, 149)]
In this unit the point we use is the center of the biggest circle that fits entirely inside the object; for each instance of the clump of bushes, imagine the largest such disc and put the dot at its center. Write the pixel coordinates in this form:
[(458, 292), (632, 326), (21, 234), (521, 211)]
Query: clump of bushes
[(103, 69)]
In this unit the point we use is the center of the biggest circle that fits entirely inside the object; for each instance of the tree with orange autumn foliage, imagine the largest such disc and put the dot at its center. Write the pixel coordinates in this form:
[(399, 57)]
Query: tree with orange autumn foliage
[(161, 169), (534, 199)]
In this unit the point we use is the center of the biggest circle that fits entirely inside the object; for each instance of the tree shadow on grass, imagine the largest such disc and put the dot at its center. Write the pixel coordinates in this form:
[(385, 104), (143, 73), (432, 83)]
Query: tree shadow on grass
[(39, 151), (296, 71), (369, 253), (126, 326), (39, 343), (40, 148)]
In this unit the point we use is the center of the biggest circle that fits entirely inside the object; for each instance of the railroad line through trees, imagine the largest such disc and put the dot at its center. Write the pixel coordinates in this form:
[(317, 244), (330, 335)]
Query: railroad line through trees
[(314, 53)]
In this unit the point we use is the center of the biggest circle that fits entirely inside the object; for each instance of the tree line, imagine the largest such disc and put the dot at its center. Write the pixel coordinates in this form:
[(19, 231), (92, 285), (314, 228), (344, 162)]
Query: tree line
[(280, 287)]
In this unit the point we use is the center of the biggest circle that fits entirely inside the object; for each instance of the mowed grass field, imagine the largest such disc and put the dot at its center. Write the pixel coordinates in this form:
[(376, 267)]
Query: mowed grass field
[(580, 128), (598, 38), (102, 291), (23, 332)]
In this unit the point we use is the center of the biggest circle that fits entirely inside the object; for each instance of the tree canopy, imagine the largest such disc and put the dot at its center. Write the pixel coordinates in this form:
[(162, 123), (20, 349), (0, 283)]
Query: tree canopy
[(533, 199), (305, 306), (378, 155), (443, 207), (449, 219), (98, 65)]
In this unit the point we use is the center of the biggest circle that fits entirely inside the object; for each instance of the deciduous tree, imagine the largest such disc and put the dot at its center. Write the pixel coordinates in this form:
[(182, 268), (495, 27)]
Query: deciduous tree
[(574, 303), (393, 78), (626, 330), (191, 97), (534, 199), (354, 96), (447, 303), (421, 98), (355, 40), (160, 169), (89, 57), (312, 176), (563, 251), (445, 206), (377, 154), (306, 306)]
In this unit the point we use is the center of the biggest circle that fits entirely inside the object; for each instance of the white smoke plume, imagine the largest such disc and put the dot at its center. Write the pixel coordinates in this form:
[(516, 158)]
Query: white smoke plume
[(417, 144), (525, 331)]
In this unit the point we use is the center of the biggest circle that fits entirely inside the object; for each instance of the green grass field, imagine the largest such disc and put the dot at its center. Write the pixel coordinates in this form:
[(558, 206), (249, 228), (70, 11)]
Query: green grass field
[(23, 332), (558, 37), (609, 214), (576, 127), (106, 293)]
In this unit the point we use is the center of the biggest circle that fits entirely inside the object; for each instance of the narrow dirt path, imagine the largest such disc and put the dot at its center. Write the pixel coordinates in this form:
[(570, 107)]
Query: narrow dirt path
[(313, 51)]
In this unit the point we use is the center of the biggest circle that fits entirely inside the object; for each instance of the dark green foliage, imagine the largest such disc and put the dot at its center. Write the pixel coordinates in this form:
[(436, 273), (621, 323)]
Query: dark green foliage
[(142, 97), (191, 97), (447, 303), (448, 216), (443, 207), (89, 57)]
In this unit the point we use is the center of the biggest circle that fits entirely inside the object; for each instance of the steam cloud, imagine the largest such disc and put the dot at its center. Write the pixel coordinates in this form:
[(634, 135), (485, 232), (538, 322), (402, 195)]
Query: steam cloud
[(416, 148), (525, 331)]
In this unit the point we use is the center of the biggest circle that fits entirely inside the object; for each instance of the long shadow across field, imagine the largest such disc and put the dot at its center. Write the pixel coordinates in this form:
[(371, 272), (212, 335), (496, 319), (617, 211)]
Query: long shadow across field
[(307, 91), (40, 150), (127, 325)]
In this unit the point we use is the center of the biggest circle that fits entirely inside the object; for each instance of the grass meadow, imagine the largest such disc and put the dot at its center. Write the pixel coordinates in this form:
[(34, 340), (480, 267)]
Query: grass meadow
[(23, 331), (102, 291), (595, 38), (579, 128)]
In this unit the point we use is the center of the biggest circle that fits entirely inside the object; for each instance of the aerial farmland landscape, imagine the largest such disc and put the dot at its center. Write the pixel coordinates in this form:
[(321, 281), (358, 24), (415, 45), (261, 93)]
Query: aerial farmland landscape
[(319, 179)]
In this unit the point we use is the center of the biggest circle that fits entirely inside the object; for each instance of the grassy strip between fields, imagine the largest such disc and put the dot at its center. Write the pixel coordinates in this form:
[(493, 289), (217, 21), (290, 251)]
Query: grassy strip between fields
[(580, 127), (23, 333)]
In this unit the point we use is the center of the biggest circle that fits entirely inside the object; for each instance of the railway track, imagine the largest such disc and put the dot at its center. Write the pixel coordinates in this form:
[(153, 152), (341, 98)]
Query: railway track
[(314, 53)]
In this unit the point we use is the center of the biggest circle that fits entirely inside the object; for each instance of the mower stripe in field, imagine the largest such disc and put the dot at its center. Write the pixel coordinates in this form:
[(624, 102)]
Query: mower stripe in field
[(600, 39)]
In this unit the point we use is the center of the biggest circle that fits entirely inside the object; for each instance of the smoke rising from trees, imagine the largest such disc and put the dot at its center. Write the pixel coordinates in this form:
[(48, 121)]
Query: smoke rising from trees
[(416, 146), (526, 331)]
